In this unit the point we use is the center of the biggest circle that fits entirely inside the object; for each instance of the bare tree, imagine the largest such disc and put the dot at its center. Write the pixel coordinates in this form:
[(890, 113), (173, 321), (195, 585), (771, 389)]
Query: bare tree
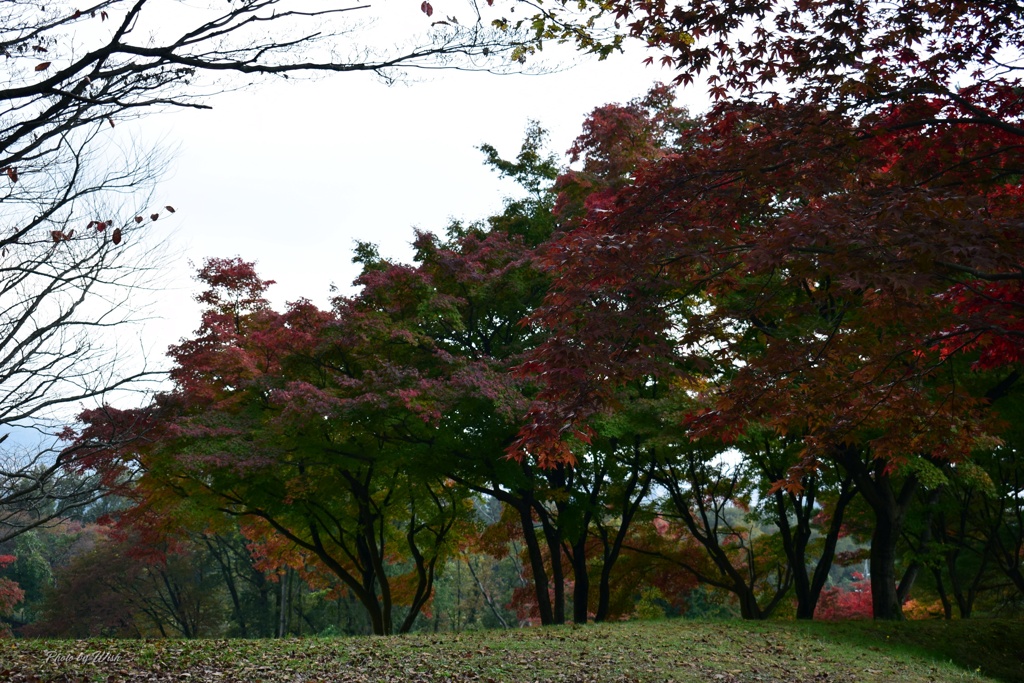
[(74, 209), (72, 259), (67, 68)]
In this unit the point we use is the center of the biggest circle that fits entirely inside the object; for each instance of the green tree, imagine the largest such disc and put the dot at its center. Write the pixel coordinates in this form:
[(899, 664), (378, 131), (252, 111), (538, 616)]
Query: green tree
[(313, 428)]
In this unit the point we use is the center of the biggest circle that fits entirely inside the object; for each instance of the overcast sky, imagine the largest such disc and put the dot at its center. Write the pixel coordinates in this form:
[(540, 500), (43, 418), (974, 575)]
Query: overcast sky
[(291, 174)]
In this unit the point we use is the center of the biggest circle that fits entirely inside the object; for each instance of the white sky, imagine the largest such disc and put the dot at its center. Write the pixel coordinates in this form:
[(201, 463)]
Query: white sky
[(291, 174)]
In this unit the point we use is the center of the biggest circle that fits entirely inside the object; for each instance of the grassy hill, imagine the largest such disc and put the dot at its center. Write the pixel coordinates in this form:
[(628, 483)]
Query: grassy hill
[(717, 652)]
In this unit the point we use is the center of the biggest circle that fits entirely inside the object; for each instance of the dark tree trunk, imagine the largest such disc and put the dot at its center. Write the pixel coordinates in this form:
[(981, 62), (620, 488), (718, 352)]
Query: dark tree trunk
[(749, 609), (940, 587), (885, 602), (282, 606), (540, 575), (611, 555), (808, 586), (554, 542), (828, 553), (639, 483), (522, 500), (581, 585), (890, 508), (372, 572)]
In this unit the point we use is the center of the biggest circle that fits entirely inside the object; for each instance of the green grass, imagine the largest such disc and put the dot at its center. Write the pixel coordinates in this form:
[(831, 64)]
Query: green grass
[(716, 652)]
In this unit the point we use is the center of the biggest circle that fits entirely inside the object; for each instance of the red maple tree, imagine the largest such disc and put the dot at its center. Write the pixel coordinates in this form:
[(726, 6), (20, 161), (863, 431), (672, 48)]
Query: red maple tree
[(816, 272)]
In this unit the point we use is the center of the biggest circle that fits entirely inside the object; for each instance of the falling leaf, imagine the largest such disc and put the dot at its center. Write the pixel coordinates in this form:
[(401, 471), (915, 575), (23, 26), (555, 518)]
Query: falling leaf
[(115, 236), (170, 209), (42, 66), (427, 8)]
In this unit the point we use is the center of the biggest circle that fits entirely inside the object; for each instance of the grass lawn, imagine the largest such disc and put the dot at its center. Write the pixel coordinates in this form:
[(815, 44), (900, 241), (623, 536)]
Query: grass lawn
[(677, 650)]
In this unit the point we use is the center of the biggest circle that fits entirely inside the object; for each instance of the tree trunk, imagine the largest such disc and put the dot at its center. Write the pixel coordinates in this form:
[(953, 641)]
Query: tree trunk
[(581, 587), (282, 606), (749, 609), (885, 602), (611, 555), (554, 541), (828, 553), (638, 484), (540, 575), (876, 486), (940, 587)]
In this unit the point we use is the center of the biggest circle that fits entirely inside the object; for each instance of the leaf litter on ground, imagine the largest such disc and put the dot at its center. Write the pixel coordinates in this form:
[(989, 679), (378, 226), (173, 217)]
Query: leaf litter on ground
[(674, 651)]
